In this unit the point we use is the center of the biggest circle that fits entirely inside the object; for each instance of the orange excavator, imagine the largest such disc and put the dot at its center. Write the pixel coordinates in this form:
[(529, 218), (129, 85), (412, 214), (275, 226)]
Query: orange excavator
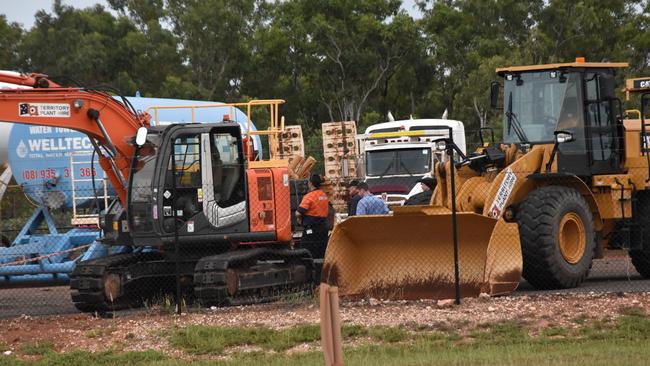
[(192, 207)]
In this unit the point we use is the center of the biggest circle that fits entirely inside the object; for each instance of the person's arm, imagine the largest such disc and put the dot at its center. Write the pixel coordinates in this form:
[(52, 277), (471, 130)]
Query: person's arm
[(361, 208), (302, 209)]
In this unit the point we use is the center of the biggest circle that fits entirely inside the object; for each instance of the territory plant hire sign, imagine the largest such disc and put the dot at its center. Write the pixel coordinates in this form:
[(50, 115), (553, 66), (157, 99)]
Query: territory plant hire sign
[(53, 110)]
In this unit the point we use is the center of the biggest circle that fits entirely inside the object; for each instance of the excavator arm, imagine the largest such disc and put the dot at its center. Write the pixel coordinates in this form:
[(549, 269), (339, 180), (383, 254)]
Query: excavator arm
[(109, 124)]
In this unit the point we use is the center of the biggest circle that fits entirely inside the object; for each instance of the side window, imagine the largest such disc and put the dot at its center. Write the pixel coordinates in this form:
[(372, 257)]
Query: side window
[(571, 118), (598, 115), (227, 169)]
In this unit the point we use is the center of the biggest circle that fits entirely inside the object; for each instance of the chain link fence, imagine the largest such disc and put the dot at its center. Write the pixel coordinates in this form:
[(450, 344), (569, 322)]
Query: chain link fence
[(223, 235)]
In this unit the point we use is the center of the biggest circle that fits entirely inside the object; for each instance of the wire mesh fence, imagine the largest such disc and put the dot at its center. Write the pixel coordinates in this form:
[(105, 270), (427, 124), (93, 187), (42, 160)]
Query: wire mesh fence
[(227, 234)]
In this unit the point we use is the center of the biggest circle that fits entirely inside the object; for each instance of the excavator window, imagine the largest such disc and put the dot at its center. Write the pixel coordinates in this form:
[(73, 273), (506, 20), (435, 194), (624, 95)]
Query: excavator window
[(182, 180), (227, 169), (187, 154)]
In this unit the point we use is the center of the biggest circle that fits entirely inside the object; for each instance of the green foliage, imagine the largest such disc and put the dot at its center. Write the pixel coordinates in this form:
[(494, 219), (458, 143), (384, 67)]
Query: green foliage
[(10, 36), (330, 60)]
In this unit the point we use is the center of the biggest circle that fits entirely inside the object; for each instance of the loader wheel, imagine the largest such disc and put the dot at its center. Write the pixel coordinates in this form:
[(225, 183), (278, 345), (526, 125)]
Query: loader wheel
[(641, 258), (557, 237)]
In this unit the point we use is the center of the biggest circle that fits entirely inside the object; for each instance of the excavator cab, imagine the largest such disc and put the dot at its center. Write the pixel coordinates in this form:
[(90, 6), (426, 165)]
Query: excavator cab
[(190, 184)]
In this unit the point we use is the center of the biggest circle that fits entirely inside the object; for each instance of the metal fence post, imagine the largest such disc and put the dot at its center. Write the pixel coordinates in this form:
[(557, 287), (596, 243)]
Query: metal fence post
[(453, 215), (176, 246)]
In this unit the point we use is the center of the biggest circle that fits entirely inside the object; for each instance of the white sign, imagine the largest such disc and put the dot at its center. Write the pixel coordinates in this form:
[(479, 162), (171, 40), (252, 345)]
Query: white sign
[(51, 110), (190, 226), (503, 194)]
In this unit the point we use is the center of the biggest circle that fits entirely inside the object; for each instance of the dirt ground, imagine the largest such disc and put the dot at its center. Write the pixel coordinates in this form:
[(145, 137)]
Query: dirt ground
[(147, 330)]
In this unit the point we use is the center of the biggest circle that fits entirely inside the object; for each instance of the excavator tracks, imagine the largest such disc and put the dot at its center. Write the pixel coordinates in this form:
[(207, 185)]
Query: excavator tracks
[(104, 284), (252, 276)]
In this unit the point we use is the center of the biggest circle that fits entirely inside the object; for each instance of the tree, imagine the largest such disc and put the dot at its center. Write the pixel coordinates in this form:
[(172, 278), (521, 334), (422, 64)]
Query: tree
[(466, 40), (77, 44), (356, 45), (151, 51), (10, 37), (214, 38)]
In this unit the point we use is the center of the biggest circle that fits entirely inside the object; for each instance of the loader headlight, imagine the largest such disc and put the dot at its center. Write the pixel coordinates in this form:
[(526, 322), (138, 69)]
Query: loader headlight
[(563, 136), (441, 146)]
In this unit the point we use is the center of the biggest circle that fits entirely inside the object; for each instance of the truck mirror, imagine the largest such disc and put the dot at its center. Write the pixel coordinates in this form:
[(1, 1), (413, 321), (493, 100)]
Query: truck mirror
[(141, 136), (607, 86), (494, 93)]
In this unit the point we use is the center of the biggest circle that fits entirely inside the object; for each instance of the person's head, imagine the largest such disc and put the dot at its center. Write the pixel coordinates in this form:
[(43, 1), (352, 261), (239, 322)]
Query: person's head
[(353, 187), (427, 183), (363, 189), (314, 182)]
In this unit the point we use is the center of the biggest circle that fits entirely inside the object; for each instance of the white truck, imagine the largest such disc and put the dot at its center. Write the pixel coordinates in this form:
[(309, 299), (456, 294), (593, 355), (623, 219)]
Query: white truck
[(394, 155)]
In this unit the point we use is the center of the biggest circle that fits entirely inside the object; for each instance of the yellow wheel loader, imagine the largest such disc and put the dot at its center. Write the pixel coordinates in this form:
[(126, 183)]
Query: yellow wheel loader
[(568, 181)]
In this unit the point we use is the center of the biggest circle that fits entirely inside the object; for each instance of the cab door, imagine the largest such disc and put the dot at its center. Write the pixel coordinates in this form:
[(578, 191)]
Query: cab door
[(602, 133), (223, 178)]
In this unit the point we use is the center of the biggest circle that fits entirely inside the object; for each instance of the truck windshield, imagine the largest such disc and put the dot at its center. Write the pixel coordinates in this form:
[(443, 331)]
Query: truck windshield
[(533, 102), (398, 162)]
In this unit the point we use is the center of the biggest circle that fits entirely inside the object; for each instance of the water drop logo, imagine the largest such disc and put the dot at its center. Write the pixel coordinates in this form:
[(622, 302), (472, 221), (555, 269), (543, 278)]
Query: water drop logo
[(21, 149)]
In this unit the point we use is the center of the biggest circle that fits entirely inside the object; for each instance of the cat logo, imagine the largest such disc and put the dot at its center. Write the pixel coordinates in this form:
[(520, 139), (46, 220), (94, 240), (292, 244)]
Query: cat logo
[(641, 83)]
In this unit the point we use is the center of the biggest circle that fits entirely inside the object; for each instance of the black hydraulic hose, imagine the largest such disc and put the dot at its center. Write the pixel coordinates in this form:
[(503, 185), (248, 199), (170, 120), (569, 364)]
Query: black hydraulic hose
[(92, 174)]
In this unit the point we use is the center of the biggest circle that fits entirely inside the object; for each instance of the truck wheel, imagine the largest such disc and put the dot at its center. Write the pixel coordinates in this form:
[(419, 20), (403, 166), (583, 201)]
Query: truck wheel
[(641, 258), (557, 237)]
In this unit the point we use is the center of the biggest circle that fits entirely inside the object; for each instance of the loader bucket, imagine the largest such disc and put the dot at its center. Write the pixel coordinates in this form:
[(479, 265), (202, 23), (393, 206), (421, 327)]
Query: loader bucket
[(411, 255)]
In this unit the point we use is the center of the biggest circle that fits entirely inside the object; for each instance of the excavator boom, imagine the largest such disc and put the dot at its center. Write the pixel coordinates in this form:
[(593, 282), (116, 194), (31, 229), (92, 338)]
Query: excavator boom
[(109, 124)]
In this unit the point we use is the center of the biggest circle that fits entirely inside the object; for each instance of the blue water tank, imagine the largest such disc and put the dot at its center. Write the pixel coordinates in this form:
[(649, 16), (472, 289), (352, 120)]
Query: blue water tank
[(40, 156)]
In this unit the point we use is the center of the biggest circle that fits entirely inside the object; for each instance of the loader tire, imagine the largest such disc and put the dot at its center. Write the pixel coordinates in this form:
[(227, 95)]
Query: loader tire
[(557, 237), (641, 257)]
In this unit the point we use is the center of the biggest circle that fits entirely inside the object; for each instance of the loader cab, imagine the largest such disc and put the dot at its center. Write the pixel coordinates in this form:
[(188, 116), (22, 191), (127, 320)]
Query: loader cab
[(190, 178), (575, 99)]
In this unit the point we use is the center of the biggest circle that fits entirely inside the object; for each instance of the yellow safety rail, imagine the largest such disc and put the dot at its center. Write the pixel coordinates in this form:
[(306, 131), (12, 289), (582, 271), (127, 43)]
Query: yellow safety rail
[(276, 124)]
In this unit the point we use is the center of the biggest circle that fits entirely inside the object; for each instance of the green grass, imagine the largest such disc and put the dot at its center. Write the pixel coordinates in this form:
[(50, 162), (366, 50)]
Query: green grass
[(199, 339), (37, 349), (604, 342), (388, 334), (99, 332)]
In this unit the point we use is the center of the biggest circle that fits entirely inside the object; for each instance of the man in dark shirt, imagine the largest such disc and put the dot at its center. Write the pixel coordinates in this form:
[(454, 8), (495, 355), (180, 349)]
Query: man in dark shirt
[(424, 197), (354, 198)]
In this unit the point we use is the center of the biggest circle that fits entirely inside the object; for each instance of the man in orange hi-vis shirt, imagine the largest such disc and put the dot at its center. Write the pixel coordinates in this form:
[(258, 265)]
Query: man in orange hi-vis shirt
[(312, 214)]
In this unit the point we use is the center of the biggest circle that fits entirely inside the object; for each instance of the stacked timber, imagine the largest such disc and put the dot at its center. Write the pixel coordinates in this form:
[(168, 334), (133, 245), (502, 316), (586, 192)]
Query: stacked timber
[(339, 152), (300, 167), (289, 143)]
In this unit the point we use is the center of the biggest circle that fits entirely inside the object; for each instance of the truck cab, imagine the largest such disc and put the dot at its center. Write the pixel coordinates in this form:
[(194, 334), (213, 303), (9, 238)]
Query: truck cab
[(394, 155)]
